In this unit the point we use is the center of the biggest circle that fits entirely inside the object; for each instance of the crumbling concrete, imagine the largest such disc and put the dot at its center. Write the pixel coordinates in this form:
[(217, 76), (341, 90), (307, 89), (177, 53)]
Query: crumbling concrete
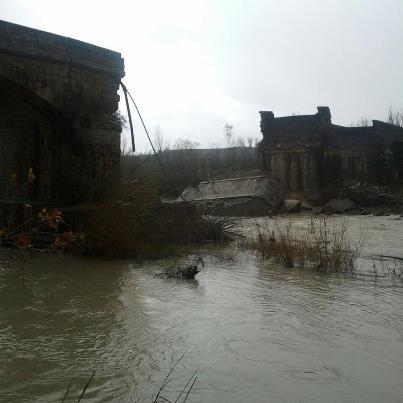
[(249, 196)]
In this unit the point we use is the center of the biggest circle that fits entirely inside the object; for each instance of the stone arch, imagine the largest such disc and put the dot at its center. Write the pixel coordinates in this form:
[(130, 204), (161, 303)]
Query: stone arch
[(33, 136), (21, 77), (65, 97)]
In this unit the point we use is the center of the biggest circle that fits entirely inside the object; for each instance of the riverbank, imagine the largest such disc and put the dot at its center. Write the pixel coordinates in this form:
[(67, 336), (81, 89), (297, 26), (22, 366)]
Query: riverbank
[(138, 225)]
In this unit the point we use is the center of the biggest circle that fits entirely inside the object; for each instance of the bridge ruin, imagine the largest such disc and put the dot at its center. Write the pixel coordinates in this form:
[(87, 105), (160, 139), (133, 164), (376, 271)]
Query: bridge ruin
[(59, 125), (315, 158)]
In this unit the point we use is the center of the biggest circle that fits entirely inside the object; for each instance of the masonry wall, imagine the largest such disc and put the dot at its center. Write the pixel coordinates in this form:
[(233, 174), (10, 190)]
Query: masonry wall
[(71, 89), (310, 155), (296, 169)]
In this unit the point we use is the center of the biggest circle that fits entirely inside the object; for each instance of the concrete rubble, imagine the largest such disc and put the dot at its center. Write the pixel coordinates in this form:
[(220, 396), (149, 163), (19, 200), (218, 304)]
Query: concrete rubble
[(250, 196), (369, 196)]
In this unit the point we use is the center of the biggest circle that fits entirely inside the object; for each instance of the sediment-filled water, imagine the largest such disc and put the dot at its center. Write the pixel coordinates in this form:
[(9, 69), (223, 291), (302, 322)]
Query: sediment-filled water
[(254, 331)]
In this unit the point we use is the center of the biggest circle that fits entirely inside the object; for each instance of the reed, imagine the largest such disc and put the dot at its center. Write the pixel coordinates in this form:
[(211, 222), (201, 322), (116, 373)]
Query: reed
[(323, 245)]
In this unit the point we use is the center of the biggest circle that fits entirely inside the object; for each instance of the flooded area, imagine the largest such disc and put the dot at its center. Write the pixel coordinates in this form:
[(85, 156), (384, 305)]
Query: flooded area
[(254, 331)]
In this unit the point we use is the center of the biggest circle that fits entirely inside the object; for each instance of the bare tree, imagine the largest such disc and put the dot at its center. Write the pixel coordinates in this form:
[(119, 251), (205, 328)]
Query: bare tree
[(240, 142), (185, 144), (124, 144), (250, 141), (395, 117), (362, 122), (229, 134), (159, 141)]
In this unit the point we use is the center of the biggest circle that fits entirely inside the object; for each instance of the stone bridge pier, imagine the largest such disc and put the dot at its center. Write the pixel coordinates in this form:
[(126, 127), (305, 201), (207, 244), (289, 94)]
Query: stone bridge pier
[(59, 125)]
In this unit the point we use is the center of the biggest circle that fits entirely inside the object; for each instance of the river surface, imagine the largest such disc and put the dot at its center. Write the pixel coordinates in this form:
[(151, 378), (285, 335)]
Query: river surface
[(255, 332)]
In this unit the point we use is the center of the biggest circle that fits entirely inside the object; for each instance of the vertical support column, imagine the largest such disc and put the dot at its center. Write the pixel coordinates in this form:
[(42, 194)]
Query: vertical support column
[(101, 156)]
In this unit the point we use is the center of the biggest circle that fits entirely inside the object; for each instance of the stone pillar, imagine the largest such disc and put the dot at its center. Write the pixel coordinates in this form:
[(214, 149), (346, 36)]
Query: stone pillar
[(324, 115), (100, 170), (266, 123)]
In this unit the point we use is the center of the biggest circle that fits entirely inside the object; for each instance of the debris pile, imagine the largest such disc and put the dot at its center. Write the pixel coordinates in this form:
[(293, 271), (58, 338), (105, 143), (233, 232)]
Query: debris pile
[(369, 196)]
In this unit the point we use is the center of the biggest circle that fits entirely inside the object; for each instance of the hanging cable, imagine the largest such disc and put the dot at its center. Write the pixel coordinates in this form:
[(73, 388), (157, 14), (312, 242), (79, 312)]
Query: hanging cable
[(129, 115), (203, 218), (151, 143)]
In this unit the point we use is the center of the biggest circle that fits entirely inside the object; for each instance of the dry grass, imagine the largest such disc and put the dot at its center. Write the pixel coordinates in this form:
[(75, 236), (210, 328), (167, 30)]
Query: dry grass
[(323, 245), (391, 267)]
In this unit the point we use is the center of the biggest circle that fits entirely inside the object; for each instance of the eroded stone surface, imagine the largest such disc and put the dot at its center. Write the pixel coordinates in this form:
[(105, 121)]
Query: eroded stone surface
[(57, 117)]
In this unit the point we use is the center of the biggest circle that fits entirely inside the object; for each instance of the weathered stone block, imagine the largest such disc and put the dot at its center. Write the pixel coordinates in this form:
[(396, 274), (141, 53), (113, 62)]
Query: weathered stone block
[(58, 97)]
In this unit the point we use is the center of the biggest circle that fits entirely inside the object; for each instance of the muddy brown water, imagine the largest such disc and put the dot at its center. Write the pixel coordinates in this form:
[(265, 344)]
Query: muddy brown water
[(254, 331)]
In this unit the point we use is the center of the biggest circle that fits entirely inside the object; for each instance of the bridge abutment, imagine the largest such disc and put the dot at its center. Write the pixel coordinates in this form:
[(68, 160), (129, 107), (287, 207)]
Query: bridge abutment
[(59, 130)]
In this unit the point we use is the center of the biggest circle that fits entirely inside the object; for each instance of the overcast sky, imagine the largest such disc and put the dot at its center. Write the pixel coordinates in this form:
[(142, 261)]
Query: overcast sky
[(195, 65)]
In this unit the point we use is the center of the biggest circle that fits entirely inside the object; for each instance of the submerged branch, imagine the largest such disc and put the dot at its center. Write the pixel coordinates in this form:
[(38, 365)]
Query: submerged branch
[(67, 391), (86, 386), (167, 378)]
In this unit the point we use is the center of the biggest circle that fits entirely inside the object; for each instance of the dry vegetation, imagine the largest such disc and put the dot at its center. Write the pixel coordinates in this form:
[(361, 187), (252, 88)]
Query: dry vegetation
[(387, 266), (42, 229), (134, 223), (139, 225), (323, 245)]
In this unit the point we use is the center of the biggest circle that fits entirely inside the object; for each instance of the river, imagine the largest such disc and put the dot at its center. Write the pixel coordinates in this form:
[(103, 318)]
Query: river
[(254, 331)]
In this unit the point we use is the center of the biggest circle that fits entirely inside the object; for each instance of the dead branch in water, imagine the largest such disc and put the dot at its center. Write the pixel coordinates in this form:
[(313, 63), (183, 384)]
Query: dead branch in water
[(187, 271), (184, 388), (86, 386), (191, 381), (191, 387), (67, 391), (167, 378), (389, 257)]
